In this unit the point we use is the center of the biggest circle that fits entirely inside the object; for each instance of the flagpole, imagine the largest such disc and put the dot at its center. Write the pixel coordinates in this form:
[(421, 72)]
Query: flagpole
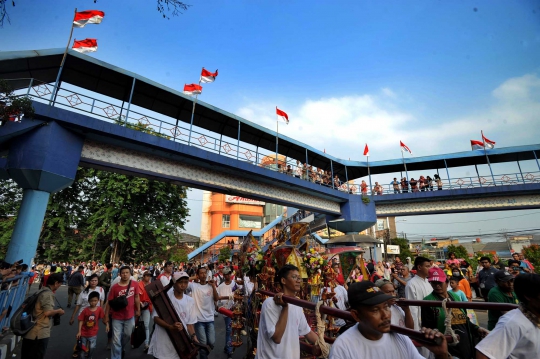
[(193, 113), (487, 158), (404, 164), (369, 175), (277, 138), (53, 94)]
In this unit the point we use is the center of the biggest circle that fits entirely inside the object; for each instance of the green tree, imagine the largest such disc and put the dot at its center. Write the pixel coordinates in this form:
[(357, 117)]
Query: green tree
[(532, 253), (404, 250), (179, 255), (10, 199), (459, 251), (12, 105), (224, 254)]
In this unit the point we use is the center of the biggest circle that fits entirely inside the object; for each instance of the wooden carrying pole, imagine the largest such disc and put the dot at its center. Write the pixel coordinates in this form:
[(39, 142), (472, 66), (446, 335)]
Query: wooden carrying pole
[(461, 305), (413, 334)]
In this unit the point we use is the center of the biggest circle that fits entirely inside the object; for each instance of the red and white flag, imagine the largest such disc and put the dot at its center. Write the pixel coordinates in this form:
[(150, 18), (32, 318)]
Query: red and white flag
[(488, 143), (86, 45), (366, 150), (282, 115), (207, 76), (88, 17), (192, 89), (404, 147), (477, 145)]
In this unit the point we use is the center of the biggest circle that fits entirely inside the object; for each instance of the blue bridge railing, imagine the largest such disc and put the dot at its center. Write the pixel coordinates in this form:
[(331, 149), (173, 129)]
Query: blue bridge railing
[(12, 294)]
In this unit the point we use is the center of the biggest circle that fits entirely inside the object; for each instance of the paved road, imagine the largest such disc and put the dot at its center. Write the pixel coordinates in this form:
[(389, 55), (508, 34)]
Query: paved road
[(63, 338)]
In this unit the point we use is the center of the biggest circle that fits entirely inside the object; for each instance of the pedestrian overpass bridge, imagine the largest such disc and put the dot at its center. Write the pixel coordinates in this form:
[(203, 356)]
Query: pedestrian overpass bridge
[(90, 113)]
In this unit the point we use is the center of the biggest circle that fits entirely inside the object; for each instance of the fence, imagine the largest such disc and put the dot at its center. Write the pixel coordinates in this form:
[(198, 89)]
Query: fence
[(12, 294)]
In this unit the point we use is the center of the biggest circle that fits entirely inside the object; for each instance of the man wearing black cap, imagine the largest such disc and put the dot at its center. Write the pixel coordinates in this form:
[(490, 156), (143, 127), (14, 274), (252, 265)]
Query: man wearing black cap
[(502, 293), (371, 336)]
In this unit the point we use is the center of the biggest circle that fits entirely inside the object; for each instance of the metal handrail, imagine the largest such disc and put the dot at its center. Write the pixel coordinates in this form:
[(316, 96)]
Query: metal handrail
[(233, 148), (12, 295)]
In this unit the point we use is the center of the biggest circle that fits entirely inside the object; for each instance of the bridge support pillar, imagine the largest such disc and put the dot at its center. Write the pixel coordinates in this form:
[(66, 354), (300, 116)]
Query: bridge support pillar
[(356, 215), (42, 161)]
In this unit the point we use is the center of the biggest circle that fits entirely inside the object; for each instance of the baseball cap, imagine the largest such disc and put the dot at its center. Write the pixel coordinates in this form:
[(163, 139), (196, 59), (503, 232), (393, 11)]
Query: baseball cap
[(227, 270), (179, 275), (503, 276), (436, 274), (366, 293)]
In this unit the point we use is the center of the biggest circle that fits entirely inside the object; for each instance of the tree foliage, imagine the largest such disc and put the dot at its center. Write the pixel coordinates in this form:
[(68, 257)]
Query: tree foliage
[(404, 250), (179, 255), (459, 251), (104, 215), (164, 7), (224, 254), (532, 253), (12, 105)]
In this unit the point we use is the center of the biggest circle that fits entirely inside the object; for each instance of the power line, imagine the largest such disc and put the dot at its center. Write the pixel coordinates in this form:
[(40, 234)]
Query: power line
[(474, 234)]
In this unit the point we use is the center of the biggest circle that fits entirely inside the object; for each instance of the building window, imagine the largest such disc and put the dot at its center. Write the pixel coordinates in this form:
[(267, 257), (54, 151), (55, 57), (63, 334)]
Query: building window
[(250, 222), (380, 224), (226, 221)]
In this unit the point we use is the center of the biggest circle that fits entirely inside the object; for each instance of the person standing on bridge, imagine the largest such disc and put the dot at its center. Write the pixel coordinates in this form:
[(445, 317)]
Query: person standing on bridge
[(404, 185)]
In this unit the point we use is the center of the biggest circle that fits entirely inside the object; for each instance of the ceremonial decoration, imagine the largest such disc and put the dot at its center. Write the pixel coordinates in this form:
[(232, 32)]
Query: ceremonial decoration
[(313, 262)]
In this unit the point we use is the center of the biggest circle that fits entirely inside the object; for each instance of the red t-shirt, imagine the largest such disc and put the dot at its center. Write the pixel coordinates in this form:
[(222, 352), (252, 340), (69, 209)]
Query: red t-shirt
[(90, 321), (129, 311)]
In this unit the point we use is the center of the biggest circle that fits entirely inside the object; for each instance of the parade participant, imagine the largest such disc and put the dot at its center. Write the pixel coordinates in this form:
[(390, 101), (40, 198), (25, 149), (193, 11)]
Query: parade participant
[(105, 279), (225, 291), (526, 268), (497, 264), (166, 274), (146, 305), (486, 277), (371, 336), (434, 317), (339, 299), (401, 278), (75, 285), (502, 293), (401, 316), (462, 283), (515, 268), (453, 282), (417, 288), (339, 274), (517, 334), (526, 261), (204, 294), (161, 346), (88, 324), (281, 323), (123, 320), (34, 344)]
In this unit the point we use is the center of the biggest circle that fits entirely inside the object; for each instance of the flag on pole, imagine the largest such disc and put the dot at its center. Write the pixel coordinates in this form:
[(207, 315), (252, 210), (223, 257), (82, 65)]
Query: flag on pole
[(282, 115), (366, 150), (207, 76), (477, 145), (88, 17), (488, 143), (192, 89), (86, 45), (404, 147)]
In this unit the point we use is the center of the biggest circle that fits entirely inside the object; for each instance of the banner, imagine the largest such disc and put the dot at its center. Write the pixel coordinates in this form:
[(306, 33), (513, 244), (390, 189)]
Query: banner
[(242, 200)]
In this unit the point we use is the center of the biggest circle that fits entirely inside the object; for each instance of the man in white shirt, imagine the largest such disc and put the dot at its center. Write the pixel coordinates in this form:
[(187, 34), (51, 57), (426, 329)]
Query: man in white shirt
[(204, 294), (517, 333), (161, 346), (417, 289), (401, 317), (280, 323), (225, 292), (371, 336), (339, 299), (166, 275)]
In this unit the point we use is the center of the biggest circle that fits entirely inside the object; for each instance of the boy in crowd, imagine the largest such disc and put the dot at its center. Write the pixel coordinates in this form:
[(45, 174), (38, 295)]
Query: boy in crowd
[(88, 325)]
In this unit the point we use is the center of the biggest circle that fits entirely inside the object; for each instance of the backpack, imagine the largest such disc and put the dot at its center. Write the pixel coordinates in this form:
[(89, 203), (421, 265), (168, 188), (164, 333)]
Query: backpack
[(26, 307)]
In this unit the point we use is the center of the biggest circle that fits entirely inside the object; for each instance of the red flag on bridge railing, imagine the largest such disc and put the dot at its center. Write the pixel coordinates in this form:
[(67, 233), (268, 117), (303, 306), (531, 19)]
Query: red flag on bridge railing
[(86, 45), (192, 89), (477, 145), (281, 115), (207, 76), (404, 147), (88, 17), (366, 151), (488, 144)]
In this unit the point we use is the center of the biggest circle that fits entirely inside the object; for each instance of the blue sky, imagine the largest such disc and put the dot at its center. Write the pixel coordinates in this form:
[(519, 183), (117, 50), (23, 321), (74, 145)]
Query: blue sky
[(429, 73)]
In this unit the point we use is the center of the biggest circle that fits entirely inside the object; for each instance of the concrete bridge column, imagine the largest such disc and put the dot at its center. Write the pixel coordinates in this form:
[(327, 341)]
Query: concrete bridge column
[(355, 216), (42, 161)]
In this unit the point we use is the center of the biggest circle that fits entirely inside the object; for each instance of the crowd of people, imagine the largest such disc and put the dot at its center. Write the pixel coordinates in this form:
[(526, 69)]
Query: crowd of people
[(198, 290)]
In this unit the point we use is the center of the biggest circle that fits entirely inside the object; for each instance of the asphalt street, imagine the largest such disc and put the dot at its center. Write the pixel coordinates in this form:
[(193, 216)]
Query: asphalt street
[(63, 339)]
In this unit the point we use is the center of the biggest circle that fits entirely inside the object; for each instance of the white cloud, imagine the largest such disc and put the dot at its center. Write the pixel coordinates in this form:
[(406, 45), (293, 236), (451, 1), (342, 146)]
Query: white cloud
[(342, 125)]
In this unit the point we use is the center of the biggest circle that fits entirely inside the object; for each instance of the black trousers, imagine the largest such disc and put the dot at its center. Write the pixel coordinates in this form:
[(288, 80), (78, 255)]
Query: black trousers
[(34, 349)]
